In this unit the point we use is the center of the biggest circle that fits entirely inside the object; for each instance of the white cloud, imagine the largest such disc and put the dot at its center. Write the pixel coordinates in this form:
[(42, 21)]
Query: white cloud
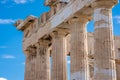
[(1, 78), (117, 18), (7, 21), (22, 1), (8, 57)]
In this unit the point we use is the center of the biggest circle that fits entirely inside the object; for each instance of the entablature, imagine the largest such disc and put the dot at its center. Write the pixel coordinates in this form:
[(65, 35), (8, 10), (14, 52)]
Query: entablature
[(24, 24)]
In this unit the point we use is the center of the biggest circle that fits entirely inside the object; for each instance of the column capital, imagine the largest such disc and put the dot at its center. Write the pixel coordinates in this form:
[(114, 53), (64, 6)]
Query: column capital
[(81, 18), (58, 33), (27, 53), (104, 3), (42, 43), (30, 52)]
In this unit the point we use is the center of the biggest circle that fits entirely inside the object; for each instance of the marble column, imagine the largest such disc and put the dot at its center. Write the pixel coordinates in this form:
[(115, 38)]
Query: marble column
[(118, 69), (27, 65), (30, 64), (59, 65), (42, 61), (104, 67), (79, 49)]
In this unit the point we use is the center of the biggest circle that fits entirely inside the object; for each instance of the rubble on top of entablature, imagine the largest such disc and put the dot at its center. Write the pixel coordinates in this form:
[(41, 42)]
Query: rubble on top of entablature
[(18, 22), (29, 26), (54, 2), (21, 25)]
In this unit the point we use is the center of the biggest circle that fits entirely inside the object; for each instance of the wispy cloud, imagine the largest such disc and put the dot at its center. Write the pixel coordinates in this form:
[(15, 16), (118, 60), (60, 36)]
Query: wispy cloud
[(7, 21), (2, 78), (22, 1), (3, 1), (118, 21), (3, 47), (16, 1), (8, 57), (117, 18), (23, 63)]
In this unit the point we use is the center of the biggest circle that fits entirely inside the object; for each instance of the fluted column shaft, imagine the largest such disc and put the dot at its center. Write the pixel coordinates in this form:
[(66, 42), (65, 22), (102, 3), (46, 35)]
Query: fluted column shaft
[(27, 70), (104, 68), (118, 69), (79, 50), (59, 70), (42, 61), (30, 64)]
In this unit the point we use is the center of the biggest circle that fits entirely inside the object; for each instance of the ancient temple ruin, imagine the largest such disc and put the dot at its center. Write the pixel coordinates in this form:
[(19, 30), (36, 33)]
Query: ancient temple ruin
[(62, 32)]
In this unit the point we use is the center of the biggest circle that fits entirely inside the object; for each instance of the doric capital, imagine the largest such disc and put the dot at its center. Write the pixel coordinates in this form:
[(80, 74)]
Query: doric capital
[(27, 53), (59, 33), (104, 3), (42, 43), (31, 51), (81, 18)]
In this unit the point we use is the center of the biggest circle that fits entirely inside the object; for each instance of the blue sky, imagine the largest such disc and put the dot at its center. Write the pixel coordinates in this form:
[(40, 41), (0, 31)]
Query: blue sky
[(11, 55)]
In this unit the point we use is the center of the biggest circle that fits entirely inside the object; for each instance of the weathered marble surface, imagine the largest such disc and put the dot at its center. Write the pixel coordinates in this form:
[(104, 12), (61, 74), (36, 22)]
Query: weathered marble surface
[(94, 56)]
